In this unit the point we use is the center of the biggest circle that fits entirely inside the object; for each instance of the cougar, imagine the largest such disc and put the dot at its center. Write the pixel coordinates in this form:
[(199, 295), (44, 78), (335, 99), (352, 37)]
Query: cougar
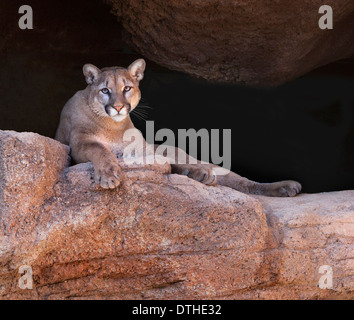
[(94, 120)]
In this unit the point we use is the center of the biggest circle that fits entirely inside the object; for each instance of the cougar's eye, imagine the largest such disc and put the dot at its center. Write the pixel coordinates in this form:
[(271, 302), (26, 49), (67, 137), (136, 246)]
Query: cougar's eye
[(105, 90), (127, 88)]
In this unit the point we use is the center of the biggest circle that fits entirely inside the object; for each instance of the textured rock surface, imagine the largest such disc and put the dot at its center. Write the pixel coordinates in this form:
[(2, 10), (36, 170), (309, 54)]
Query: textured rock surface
[(160, 236), (311, 231), (244, 41)]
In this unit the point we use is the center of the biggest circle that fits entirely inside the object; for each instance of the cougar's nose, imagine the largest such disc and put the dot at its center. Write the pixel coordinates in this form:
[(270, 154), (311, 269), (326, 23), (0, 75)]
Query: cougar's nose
[(118, 108)]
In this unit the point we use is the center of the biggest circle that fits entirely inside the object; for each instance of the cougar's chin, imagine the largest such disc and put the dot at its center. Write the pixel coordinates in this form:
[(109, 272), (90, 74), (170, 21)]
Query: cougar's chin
[(118, 117)]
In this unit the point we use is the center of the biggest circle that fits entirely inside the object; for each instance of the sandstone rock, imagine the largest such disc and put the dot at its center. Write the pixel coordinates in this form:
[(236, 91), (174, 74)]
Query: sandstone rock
[(243, 41), (160, 236), (312, 230)]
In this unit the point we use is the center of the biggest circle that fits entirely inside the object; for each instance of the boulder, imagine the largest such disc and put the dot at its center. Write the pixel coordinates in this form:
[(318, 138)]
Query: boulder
[(160, 235), (245, 41)]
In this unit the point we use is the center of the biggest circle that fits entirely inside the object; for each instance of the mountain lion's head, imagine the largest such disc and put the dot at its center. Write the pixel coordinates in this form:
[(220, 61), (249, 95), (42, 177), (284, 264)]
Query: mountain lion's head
[(114, 92)]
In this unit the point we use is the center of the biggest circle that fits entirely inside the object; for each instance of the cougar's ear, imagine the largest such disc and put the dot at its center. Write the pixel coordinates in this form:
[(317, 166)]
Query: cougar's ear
[(136, 69), (91, 73)]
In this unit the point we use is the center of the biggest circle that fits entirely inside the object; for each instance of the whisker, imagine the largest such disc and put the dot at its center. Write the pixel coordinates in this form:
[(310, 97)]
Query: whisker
[(143, 106), (142, 114), (139, 115), (140, 111)]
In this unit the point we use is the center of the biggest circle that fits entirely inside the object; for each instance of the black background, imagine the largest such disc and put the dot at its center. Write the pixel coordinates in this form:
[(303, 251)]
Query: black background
[(303, 130), (229, 309)]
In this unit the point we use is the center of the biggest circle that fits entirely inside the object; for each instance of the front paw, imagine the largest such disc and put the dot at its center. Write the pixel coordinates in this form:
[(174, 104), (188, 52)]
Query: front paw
[(287, 189), (108, 176)]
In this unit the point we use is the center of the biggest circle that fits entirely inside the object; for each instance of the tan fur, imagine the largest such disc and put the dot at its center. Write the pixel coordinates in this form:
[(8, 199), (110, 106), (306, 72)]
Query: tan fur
[(93, 123)]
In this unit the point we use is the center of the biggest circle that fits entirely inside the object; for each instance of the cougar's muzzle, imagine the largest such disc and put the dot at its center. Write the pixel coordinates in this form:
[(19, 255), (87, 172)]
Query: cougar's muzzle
[(113, 110)]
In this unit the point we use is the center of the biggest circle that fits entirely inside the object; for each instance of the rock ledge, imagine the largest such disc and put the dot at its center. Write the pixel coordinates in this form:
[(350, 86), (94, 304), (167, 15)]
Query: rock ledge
[(161, 236)]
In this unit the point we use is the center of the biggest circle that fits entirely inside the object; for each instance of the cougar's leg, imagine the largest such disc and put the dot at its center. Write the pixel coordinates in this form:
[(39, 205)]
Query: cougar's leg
[(286, 188), (210, 174)]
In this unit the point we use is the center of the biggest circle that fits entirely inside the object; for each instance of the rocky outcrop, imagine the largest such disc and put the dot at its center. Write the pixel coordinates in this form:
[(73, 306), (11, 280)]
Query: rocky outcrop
[(160, 236), (244, 41)]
